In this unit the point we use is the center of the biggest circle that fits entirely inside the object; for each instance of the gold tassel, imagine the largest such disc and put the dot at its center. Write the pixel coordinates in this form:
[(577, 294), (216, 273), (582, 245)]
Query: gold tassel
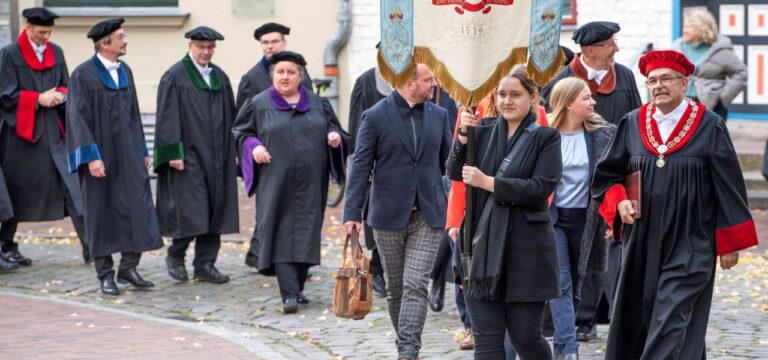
[(542, 78)]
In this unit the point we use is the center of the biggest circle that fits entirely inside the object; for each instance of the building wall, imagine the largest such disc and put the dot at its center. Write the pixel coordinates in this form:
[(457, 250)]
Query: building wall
[(5, 22), (152, 50)]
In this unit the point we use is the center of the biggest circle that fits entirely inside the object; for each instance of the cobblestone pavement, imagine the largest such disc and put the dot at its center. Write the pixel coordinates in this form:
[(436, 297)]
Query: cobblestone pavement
[(249, 306), (245, 313)]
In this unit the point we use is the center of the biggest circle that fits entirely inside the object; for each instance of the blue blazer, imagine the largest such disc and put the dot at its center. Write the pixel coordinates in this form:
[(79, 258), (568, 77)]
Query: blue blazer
[(402, 172)]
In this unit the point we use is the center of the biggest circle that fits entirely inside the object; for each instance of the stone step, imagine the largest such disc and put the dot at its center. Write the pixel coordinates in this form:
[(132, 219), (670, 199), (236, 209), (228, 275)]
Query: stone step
[(755, 180), (758, 199), (751, 161)]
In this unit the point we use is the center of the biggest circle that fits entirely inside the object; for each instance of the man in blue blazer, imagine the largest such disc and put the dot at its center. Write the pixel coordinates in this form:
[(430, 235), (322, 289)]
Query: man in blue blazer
[(407, 139)]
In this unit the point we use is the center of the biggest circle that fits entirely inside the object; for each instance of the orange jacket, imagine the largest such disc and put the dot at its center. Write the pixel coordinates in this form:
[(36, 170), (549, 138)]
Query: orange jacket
[(457, 196)]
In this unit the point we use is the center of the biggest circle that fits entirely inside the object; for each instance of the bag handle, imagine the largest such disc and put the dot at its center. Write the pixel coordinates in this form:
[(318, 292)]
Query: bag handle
[(353, 239)]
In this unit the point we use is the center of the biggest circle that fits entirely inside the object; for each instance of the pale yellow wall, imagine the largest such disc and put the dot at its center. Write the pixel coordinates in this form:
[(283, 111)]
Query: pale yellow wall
[(152, 50)]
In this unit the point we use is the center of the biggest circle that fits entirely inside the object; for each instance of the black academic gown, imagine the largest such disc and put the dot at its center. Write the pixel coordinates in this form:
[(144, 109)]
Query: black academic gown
[(258, 79), (693, 209), (364, 95), (35, 171), (6, 210), (194, 123), (291, 190), (612, 107), (103, 122)]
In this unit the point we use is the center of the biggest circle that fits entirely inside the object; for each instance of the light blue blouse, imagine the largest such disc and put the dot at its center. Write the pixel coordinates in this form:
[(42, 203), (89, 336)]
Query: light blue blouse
[(573, 189)]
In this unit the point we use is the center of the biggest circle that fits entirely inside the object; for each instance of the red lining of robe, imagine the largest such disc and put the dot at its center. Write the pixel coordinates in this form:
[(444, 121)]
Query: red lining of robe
[(25, 114), (31, 58), (608, 83), (616, 194), (735, 238)]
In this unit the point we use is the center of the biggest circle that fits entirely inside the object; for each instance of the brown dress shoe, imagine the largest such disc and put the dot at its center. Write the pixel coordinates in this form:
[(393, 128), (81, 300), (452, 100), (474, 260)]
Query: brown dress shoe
[(468, 343)]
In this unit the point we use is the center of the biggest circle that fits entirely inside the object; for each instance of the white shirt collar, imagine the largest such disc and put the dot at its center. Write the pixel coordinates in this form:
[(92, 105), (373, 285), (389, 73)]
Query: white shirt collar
[(667, 122), (39, 50), (111, 66), (593, 74), (205, 71)]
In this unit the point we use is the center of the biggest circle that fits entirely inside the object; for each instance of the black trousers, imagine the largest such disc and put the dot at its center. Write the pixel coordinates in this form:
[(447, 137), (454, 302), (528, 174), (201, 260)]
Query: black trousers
[(206, 248), (598, 290), (291, 278), (491, 320), (8, 228), (253, 249), (105, 264), (375, 266)]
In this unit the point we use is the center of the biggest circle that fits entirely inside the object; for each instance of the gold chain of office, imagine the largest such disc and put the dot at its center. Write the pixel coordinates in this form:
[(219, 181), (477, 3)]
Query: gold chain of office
[(663, 148)]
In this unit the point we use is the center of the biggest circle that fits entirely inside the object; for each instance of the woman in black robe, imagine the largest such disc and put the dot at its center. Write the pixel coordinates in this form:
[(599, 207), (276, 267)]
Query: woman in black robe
[(514, 262), (289, 140)]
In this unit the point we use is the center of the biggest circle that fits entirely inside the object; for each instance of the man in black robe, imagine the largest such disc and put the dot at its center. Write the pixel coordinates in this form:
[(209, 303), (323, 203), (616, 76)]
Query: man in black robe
[(195, 158), (692, 207), (615, 92), (6, 212), (109, 153), (271, 36), (33, 153)]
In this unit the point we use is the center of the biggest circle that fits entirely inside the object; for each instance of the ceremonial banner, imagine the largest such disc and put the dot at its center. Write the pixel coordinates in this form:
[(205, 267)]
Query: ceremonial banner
[(469, 45)]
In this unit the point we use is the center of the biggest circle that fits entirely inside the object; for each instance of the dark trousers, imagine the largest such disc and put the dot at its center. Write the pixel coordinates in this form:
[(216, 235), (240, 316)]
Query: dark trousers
[(8, 228), (375, 265), (206, 248), (491, 320), (253, 249), (442, 270), (598, 290), (104, 264), (291, 278)]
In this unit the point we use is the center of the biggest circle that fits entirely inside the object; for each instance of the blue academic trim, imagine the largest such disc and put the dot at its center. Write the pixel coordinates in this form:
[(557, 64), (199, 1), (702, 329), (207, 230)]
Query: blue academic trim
[(106, 79), (264, 64), (83, 155)]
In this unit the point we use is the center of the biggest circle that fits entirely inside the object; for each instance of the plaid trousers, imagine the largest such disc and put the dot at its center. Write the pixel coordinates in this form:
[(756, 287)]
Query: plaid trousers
[(407, 256)]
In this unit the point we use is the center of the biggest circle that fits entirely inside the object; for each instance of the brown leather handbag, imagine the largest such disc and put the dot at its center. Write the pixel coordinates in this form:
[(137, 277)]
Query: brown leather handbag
[(352, 296)]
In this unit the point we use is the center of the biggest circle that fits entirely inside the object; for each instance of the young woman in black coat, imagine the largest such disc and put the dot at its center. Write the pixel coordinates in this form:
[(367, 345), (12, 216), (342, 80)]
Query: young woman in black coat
[(514, 267)]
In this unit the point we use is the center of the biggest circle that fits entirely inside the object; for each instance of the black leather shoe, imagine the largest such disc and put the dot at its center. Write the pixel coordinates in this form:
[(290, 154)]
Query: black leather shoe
[(302, 299), (379, 285), (209, 273), (108, 286), (437, 296), (14, 256), (586, 333), (252, 260), (131, 276), (6, 266), (290, 305), (176, 268)]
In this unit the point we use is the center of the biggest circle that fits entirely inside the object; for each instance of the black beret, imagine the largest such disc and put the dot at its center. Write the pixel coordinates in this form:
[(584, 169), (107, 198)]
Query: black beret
[(203, 33), (105, 28), (270, 27), (39, 16), (291, 56), (568, 55), (595, 32)]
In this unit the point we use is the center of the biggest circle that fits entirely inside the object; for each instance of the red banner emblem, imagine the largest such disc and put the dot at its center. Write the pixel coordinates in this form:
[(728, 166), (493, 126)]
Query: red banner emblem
[(483, 6)]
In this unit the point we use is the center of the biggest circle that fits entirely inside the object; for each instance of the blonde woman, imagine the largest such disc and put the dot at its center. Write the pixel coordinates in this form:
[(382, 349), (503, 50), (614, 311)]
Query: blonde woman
[(720, 75), (579, 230)]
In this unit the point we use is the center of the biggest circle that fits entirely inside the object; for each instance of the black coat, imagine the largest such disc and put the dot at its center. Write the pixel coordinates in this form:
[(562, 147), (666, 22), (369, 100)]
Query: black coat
[(6, 210), (195, 124), (35, 172), (104, 123), (530, 268)]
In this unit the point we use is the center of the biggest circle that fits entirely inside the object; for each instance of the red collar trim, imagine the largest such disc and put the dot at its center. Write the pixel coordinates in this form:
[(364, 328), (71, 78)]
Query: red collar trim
[(678, 128), (29, 54), (605, 87)]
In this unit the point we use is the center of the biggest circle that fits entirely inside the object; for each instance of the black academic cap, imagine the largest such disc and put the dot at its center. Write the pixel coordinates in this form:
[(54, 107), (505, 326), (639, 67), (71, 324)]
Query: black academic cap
[(270, 27), (595, 32), (39, 16), (291, 56), (105, 28), (203, 33)]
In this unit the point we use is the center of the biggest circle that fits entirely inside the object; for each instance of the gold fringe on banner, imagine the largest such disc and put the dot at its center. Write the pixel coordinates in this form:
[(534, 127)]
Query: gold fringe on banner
[(542, 78), (457, 91)]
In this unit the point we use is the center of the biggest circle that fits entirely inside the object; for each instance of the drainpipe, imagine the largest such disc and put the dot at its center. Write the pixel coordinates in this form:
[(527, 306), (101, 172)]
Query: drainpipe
[(329, 87)]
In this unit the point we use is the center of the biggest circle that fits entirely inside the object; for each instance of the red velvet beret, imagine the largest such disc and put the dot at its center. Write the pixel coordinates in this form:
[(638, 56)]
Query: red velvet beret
[(668, 59)]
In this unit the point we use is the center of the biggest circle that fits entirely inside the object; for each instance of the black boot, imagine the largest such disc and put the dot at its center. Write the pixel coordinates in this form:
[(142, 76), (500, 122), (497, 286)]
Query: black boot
[(14, 256), (131, 276), (437, 296), (209, 273), (108, 286), (176, 268), (6, 266)]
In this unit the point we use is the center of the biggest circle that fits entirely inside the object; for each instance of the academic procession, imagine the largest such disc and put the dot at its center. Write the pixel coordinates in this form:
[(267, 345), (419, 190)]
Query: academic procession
[(501, 191)]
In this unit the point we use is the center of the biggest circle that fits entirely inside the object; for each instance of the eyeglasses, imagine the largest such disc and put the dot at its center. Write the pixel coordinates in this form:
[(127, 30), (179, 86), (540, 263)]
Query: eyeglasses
[(664, 81), (270, 42), (610, 45)]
